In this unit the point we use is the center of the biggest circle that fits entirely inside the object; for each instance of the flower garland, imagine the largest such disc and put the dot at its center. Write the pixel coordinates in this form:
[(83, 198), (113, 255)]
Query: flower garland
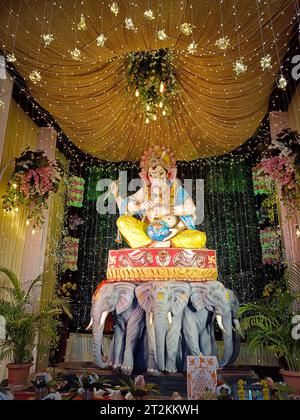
[(266, 391), (71, 247), (271, 246), (278, 168), (150, 74), (75, 191), (261, 184), (241, 390), (33, 180)]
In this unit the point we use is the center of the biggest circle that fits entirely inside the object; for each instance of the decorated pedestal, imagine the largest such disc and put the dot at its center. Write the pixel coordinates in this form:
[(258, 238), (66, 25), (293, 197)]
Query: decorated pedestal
[(162, 264), (165, 301)]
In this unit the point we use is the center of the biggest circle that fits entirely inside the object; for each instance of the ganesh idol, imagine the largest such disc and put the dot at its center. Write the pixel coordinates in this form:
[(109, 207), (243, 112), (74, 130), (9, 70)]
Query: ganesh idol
[(161, 213)]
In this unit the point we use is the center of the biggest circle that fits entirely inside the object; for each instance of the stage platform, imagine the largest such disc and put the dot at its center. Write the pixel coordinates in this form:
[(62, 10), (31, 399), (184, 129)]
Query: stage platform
[(166, 383)]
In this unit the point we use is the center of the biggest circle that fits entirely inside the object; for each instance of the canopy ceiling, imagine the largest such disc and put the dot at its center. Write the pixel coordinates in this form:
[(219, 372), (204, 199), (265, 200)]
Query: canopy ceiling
[(214, 112)]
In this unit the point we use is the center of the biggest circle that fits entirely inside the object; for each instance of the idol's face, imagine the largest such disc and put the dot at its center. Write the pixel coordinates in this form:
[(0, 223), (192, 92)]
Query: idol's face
[(157, 175)]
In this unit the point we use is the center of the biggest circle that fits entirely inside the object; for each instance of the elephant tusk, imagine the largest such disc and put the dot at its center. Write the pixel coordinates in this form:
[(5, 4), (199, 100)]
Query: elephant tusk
[(90, 325), (103, 318), (151, 318), (220, 323), (170, 318), (238, 328)]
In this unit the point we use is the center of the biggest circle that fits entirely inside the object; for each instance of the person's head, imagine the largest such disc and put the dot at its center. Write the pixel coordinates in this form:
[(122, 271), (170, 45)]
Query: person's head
[(158, 166)]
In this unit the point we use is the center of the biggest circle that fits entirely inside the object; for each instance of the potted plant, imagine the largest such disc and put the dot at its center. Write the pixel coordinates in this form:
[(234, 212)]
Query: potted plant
[(269, 323), (90, 384), (138, 388), (25, 324)]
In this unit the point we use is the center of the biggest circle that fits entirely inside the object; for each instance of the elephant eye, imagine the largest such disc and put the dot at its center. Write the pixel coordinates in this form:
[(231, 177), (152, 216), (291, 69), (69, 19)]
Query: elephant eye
[(216, 298)]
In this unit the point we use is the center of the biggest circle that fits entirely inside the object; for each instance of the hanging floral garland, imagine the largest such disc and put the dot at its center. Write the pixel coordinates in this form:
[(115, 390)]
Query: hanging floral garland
[(278, 168), (150, 74), (71, 247), (33, 180), (271, 246), (75, 191)]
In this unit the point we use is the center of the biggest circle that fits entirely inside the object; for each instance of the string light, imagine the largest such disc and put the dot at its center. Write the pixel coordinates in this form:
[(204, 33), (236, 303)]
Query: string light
[(149, 14), (114, 8), (35, 76), (11, 58), (101, 39), (161, 34), (47, 39), (82, 26)]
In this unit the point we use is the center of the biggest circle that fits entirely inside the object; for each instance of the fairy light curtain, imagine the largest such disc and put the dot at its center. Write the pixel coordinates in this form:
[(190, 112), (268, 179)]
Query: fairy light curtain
[(20, 133), (80, 78), (230, 223)]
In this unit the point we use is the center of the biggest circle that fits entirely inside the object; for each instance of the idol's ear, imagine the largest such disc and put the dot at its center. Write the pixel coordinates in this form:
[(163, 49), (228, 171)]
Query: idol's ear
[(172, 173), (145, 178)]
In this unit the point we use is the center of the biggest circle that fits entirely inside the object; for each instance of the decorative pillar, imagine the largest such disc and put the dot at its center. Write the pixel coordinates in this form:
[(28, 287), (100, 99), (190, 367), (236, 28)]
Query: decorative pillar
[(35, 245), (279, 121), (6, 86)]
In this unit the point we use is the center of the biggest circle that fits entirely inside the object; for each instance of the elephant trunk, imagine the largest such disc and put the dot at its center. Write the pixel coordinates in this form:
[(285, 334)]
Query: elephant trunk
[(98, 328), (227, 339), (160, 338)]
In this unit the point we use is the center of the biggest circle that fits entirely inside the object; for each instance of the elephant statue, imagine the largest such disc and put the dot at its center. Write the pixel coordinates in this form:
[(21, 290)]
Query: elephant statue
[(210, 300), (130, 322), (163, 303)]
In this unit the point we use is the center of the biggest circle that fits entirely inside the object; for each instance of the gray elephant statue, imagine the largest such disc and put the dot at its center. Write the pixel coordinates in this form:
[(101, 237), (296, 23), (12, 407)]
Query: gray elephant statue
[(164, 303), (120, 299), (210, 300)]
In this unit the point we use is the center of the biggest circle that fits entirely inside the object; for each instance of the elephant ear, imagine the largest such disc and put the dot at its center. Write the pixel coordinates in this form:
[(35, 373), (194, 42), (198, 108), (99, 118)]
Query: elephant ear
[(143, 294), (145, 178), (182, 295), (234, 303), (172, 173), (198, 296), (126, 295)]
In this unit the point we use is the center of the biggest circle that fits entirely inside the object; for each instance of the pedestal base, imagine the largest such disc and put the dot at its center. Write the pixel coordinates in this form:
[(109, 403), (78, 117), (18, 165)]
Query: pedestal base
[(153, 264)]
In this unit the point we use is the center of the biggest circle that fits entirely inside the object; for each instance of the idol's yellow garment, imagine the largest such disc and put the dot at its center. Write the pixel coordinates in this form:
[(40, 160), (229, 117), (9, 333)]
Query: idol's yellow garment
[(135, 233)]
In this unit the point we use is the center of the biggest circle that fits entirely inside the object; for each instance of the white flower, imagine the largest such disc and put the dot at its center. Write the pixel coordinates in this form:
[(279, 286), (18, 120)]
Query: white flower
[(162, 35), (129, 396), (223, 43), (240, 67), (192, 48), (149, 14), (130, 25), (101, 39)]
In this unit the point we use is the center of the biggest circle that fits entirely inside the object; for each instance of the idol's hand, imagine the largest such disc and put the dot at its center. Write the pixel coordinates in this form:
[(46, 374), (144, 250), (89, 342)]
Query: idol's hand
[(159, 212), (147, 205), (173, 232)]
